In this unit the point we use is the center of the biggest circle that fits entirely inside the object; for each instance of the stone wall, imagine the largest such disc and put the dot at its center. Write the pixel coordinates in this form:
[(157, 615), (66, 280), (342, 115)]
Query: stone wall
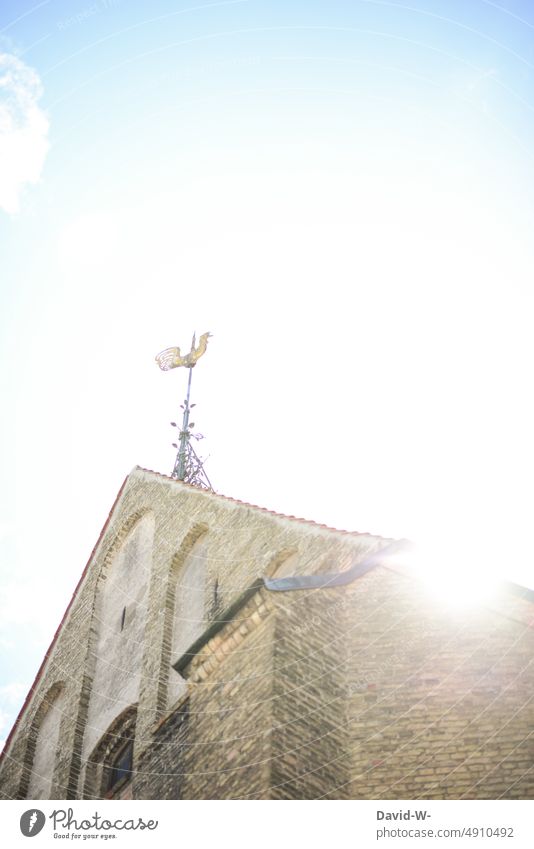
[(242, 543), (309, 755), (114, 659), (374, 689), (440, 699)]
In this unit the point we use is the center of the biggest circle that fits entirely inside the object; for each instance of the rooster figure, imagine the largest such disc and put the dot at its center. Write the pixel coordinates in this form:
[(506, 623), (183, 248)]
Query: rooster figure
[(172, 358)]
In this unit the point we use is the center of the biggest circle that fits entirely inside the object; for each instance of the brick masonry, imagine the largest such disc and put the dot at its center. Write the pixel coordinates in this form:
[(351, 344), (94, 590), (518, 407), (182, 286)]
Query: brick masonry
[(371, 690)]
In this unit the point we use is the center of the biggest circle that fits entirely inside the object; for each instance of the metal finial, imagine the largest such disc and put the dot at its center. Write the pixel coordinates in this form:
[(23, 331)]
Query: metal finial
[(188, 466), (172, 358)]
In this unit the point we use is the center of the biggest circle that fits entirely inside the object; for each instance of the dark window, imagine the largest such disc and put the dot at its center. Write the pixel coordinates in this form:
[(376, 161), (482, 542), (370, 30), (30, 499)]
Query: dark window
[(121, 766)]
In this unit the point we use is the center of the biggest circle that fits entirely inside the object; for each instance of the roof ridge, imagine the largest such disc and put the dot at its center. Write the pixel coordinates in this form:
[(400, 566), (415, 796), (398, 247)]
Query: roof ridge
[(258, 507), (122, 489)]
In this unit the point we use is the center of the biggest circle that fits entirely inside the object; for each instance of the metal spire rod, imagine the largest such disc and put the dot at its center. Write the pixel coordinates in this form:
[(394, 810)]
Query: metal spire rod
[(179, 466), (188, 466)]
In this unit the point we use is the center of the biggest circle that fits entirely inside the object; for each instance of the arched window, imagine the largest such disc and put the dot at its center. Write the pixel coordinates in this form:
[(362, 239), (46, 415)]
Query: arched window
[(41, 753), (120, 619), (110, 766), (121, 768), (188, 608), (284, 564)]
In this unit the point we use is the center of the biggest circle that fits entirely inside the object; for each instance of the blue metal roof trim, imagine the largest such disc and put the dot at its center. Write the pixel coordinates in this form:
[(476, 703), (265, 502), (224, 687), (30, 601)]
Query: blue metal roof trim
[(334, 579)]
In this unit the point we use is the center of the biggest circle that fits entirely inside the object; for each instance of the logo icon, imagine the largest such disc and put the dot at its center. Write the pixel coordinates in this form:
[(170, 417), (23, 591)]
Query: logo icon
[(31, 822)]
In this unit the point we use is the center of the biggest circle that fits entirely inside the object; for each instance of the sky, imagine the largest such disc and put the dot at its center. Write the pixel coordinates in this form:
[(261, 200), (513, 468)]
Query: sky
[(342, 193)]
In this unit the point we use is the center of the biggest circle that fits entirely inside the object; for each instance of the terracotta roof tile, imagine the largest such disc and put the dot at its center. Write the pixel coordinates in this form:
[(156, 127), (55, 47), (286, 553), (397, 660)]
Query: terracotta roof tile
[(257, 507), (527, 596)]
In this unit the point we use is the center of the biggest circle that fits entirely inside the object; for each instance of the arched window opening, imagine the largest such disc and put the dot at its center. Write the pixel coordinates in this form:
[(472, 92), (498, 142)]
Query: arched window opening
[(284, 564), (41, 752), (120, 618), (188, 605), (110, 768), (120, 769)]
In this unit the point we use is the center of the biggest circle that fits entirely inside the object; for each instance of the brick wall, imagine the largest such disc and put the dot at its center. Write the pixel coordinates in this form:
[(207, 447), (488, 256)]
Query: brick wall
[(375, 690), (440, 701), (309, 753), (242, 543), (372, 690)]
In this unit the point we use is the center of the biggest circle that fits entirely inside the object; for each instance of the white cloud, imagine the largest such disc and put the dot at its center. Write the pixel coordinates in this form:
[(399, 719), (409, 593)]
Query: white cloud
[(23, 130)]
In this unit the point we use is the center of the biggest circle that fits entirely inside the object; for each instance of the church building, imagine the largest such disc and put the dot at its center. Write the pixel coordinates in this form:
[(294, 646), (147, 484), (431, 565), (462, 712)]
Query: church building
[(217, 650)]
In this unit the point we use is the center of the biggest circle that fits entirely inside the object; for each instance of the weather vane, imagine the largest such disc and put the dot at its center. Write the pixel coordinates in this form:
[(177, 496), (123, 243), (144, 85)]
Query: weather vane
[(188, 466)]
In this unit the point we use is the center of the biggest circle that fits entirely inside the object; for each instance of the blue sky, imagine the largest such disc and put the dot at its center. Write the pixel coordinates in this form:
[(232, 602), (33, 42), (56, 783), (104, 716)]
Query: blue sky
[(342, 193)]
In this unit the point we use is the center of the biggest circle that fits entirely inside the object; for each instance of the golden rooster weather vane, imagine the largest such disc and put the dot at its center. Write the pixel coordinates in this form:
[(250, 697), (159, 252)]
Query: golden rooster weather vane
[(172, 358), (188, 466)]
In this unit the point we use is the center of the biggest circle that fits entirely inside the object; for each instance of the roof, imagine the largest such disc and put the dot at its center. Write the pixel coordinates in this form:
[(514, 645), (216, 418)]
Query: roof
[(321, 580), (523, 595), (211, 494), (208, 494)]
